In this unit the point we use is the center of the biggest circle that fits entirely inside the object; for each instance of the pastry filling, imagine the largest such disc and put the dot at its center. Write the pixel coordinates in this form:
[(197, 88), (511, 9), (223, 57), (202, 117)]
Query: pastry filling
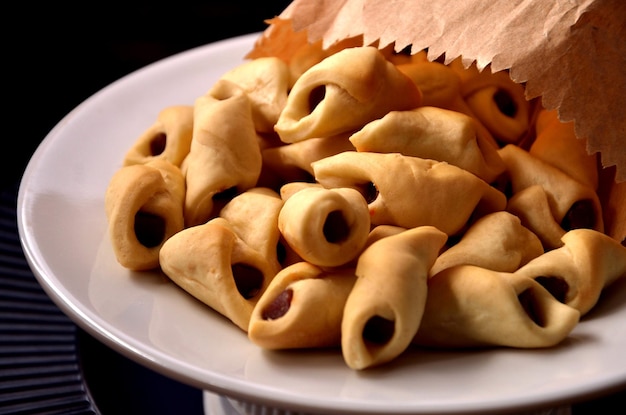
[(378, 330), (248, 280), (556, 286), (529, 303), (157, 144), (279, 306), (336, 230), (149, 229)]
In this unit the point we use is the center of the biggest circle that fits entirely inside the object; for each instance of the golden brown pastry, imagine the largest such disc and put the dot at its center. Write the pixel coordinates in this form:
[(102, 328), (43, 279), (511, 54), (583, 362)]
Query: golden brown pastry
[(266, 81), (292, 162), (556, 144), (253, 216), (537, 186), (432, 133), (301, 308), (144, 207), (496, 101), (214, 265), (410, 191), (224, 155), (577, 272), (497, 241), (326, 227), (168, 138), (470, 306), (383, 311), (357, 82)]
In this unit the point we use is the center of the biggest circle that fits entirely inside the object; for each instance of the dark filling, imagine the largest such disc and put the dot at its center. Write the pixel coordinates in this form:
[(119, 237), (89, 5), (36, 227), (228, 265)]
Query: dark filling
[(378, 330), (580, 215), (505, 103), (558, 287), (279, 306), (157, 144), (369, 192), (527, 300), (335, 227), (316, 96), (248, 280), (149, 229)]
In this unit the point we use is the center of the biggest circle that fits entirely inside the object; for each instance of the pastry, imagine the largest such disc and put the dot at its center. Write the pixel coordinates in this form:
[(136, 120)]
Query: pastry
[(224, 157), (266, 82), (384, 309), (410, 191), (214, 265), (497, 241), (169, 137), (326, 227), (253, 216), (432, 133), (144, 207), (301, 308), (357, 82), (469, 306), (571, 203), (578, 271)]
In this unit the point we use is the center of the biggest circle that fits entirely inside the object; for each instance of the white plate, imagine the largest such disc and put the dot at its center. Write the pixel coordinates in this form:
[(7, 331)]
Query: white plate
[(62, 226)]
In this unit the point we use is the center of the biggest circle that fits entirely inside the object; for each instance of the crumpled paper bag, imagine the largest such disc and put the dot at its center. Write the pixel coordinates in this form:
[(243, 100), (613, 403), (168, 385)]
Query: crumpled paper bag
[(572, 53)]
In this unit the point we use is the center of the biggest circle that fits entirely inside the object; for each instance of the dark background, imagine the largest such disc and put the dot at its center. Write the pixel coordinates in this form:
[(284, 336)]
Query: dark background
[(56, 55)]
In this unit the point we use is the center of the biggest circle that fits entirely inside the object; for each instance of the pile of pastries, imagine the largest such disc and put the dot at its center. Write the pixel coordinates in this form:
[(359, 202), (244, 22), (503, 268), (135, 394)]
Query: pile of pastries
[(371, 201)]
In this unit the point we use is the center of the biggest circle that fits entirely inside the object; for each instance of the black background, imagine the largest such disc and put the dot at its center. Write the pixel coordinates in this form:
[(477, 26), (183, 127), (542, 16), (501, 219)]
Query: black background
[(58, 54)]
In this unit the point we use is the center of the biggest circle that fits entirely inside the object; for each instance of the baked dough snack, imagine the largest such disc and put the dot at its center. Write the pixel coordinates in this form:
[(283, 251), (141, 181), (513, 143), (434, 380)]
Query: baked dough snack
[(217, 267), (402, 190), (496, 101), (224, 156), (548, 201), (262, 233), (168, 138), (556, 144), (497, 241), (266, 82), (144, 207), (470, 306), (302, 308), (292, 162), (433, 133), (357, 82), (384, 309), (577, 272), (326, 227)]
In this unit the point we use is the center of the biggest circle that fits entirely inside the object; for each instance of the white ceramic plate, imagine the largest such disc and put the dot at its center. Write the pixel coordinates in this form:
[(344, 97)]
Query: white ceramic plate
[(62, 226)]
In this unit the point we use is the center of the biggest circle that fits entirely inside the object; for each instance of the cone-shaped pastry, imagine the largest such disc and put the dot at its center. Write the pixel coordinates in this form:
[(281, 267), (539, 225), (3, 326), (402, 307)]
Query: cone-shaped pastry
[(556, 143), (358, 83), (572, 204), (497, 102), (144, 207), (577, 272), (384, 309), (253, 216), (266, 81), (301, 308), (310, 54), (410, 191), (470, 306), (224, 154), (214, 265), (292, 162), (326, 227), (168, 138), (497, 241), (432, 133)]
